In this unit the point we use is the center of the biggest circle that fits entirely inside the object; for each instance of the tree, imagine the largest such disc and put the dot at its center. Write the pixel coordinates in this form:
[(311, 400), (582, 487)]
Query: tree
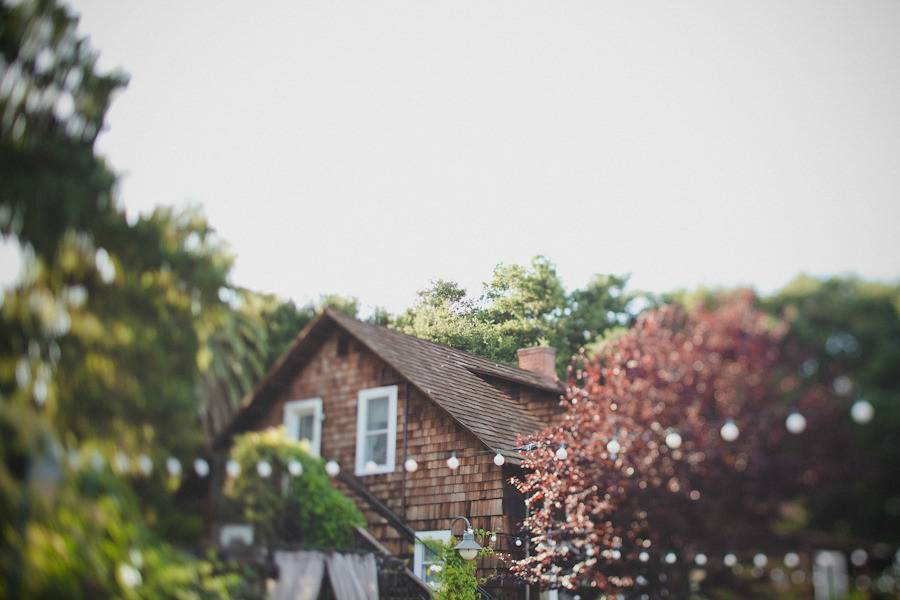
[(520, 306), (649, 469)]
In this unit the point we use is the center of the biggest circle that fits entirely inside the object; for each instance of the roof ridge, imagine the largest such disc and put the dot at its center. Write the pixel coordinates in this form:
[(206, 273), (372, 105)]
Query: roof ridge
[(338, 315)]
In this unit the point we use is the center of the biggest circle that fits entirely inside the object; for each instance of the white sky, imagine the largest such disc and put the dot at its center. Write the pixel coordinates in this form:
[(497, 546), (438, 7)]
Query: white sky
[(366, 148)]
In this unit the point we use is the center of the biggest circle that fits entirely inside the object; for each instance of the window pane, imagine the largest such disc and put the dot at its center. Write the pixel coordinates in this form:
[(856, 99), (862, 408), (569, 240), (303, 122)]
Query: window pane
[(377, 414), (305, 427), (376, 448)]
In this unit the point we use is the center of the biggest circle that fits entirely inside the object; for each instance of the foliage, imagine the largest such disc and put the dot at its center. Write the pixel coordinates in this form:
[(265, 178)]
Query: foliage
[(456, 576), (304, 509), (847, 333), (520, 306), (689, 373)]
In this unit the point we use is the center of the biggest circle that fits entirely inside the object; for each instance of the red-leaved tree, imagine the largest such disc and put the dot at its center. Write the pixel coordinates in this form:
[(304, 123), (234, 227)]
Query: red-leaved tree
[(676, 446)]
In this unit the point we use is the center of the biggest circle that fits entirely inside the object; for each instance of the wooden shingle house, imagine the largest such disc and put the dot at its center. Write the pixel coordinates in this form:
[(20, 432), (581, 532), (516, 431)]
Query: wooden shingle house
[(391, 409)]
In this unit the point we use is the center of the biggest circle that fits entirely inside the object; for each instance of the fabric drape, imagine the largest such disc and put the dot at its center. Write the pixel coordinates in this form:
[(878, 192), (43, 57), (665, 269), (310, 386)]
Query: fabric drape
[(353, 576), (299, 575)]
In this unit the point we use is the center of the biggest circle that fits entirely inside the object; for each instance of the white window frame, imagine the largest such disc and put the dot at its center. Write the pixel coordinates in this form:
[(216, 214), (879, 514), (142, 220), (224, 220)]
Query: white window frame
[(362, 411), (293, 410), (442, 535)]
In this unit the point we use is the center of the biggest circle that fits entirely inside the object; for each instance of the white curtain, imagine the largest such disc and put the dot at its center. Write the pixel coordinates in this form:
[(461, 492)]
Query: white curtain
[(353, 576), (299, 575)]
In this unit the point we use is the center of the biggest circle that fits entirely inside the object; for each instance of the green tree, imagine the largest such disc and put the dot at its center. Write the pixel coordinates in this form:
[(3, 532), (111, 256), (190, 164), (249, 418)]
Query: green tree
[(302, 508), (520, 306)]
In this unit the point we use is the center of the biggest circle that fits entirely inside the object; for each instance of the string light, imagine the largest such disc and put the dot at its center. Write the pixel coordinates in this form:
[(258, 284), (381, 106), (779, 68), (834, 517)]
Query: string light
[(859, 557), (173, 466), (518, 542), (730, 560), (145, 464), (453, 462), (729, 431), (410, 465), (201, 467), (760, 560), (613, 447), (562, 453), (499, 459), (332, 468), (673, 439), (644, 557), (791, 560), (671, 558), (232, 468), (795, 423), (700, 559), (295, 468), (122, 463), (371, 466), (862, 411), (263, 469)]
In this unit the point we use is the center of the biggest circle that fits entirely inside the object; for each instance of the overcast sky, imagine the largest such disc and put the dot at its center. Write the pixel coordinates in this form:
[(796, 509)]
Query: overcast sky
[(366, 148)]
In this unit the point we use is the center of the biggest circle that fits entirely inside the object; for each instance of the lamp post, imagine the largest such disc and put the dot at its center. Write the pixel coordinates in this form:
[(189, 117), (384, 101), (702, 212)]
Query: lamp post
[(468, 548)]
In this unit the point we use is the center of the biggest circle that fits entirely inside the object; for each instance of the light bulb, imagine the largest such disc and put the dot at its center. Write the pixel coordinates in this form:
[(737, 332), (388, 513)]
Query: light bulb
[(643, 557), (671, 558), (201, 467), (371, 466), (613, 446), (730, 560), (760, 560), (263, 469), (791, 560), (729, 431), (562, 453), (518, 542), (453, 462), (332, 468), (499, 459), (145, 464), (233, 468), (410, 465), (859, 557), (862, 411), (295, 468), (173, 466), (673, 440), (795, 423), (122, 462), (700, 559)]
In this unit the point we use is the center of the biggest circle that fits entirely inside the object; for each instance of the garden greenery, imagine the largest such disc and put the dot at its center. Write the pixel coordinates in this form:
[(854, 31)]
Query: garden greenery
[(303, 510)]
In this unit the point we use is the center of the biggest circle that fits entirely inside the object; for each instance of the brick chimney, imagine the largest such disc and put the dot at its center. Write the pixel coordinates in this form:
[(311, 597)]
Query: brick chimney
[(540, 360)]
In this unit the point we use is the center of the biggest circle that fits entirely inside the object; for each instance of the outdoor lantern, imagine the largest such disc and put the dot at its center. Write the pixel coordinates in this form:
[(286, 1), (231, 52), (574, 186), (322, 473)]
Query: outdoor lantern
[(468, 548)]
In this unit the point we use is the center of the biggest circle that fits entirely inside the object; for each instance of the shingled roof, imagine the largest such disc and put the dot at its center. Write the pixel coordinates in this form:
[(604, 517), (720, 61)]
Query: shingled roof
[(456, 381)]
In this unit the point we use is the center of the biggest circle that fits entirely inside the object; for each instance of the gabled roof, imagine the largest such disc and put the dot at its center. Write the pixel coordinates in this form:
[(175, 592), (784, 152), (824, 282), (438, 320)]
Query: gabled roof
[(453, 379)]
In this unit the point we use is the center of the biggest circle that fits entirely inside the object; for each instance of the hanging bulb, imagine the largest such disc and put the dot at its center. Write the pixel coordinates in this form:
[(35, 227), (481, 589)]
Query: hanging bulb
[(673, 439), (232, 468), (295, 468), (371, 466), (791, 560), (795, 423), (201, 467), (671, 558), (729, 431), (263, 469), (518, 542), (499, 459), (700, 559), (643, 556), (145, 464), (862, 411), (332, 468), (453, 462), (410, 465), (760, 560), (613, 447), (730, 560), (562, 453), (173, 466)]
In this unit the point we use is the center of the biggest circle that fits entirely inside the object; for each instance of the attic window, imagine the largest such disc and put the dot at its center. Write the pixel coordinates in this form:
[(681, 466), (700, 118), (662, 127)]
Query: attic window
[(376, 430)]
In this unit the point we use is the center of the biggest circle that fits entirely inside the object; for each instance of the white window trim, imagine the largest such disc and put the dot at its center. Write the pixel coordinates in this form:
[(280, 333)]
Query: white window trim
[(292, 424), (362, 409), (442, 535)]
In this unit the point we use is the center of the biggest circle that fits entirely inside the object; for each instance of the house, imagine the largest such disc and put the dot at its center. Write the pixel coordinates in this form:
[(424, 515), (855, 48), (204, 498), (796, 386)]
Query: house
[(391, 409)]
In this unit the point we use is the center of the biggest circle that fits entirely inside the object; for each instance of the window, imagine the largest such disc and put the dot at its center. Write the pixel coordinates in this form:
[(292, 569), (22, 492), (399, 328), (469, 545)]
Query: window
[(376, 430), (303, 421), (424, 558)]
